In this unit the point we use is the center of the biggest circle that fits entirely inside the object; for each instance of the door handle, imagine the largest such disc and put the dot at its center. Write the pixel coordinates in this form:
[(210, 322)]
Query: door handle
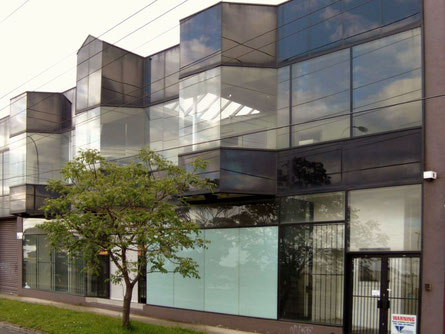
[(383, 304)]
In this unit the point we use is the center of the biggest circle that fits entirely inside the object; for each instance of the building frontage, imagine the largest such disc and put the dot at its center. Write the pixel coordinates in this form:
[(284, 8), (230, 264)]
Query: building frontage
[(318, 120)]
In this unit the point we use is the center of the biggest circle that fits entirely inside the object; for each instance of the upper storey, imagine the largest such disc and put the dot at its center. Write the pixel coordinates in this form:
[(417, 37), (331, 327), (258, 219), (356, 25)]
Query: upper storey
[(229, 34), (308, 27), (108, 76)]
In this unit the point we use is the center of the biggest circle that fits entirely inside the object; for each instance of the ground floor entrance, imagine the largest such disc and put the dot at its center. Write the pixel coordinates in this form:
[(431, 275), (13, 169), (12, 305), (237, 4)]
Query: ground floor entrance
[(383, 288)]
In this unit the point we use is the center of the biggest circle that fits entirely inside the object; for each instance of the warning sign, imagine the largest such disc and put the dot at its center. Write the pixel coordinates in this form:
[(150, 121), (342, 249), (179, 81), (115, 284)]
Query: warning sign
[(403, 324)]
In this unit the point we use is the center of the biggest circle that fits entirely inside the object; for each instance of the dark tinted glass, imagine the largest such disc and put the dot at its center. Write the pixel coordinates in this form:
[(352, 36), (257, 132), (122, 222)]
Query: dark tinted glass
[(400, 12), (231, 215), (361, 17), (248, 34), (293, 29), (201, 40), (311, 273), (313, 208), (327, 30)]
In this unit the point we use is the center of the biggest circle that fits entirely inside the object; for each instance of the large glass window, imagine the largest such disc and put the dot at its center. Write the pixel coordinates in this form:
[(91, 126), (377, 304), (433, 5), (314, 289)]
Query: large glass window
[(164, 129), (248, 104), (200, 107), (44, 269), (201, 40), (385, 219), (386, 74), (321, 98), (311, 273), (116, 132), (386, 91), (238, 275), (313, 208), (309, 26), (17, 120), (248, 34)]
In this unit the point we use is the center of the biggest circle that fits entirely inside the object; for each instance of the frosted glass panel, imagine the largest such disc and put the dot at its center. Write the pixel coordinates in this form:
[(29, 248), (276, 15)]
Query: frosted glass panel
[(160, 288), (258, 272), (221, 271), (189, 292)]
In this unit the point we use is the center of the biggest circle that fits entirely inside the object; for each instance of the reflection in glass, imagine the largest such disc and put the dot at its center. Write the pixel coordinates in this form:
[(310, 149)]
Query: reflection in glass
[(385, 219), (283, 116), (311, 273), (361, 18), (321, 89), (17, 119), (201, 40), (55, 271), (238, 275), (199, 110), (164, 129), (313, 208), (248, 34), (248, 104), (327, 30), (387, 72), (293, 29)]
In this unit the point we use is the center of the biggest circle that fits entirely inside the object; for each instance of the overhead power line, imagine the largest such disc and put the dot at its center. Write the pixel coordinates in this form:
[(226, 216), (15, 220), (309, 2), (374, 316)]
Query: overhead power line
[(14, 11)]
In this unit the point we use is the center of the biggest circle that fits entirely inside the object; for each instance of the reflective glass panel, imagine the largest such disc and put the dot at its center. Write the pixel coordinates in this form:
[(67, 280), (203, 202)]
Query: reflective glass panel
[(313, 208), (172, 72), (360, 17), (248, 104), (199, 110), (293, 29), (17, 119), (248, 34), (311, 273), (387, 76), (327, 30), (283, 111), (201, 40), (385, 219), (321, 99)]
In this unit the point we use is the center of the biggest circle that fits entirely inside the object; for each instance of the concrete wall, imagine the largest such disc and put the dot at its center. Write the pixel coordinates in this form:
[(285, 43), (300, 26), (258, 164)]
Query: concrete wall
[(433, 265)]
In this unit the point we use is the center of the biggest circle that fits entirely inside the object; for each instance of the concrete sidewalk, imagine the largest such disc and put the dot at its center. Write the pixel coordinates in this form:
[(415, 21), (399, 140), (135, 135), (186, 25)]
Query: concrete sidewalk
[(154, 321)]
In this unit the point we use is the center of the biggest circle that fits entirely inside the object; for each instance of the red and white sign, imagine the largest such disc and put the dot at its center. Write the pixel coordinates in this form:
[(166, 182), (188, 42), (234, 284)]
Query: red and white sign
[(403, 324)]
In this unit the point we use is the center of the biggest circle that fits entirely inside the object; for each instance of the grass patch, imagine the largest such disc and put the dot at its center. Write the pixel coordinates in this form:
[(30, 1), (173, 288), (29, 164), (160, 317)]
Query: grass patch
[(56, 320)]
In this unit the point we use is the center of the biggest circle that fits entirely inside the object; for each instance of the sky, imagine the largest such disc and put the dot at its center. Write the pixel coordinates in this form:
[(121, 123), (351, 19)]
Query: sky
[(42, 37)]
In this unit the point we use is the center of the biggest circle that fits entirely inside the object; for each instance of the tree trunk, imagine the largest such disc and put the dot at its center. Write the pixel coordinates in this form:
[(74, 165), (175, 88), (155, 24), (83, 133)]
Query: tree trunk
[(127, 304)]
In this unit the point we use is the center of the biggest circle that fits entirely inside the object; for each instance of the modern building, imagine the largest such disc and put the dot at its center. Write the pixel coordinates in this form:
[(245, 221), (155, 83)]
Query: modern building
[(319, 120)]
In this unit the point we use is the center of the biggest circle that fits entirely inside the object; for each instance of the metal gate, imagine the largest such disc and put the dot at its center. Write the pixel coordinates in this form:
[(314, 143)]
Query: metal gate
[(382, 285), (9, 254)]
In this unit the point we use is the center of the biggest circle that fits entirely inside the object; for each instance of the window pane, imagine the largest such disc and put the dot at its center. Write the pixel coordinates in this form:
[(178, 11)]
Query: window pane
[(400, 12), (201, 40), (200, 108), (248, 34), (222, 271), (157, 83), (248, 104), (321, 89), (293, 29), (313, 208), (17, 119), (311, 273), (258, 273), (326, 31), (387, 72), (385, 219), (283, 116), (172, 72), (360, 18)]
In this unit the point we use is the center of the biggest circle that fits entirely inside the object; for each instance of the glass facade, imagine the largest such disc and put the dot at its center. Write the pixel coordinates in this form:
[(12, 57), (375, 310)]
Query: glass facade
[(237, 105), (385, 91), (116, 132), (312, 273), (201, 40), (306, 27), (164, 129), (385, 219), (238, 275), (48, 270)]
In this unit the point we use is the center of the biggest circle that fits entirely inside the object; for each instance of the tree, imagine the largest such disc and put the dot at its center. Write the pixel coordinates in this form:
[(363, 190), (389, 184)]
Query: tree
[(115, 208)]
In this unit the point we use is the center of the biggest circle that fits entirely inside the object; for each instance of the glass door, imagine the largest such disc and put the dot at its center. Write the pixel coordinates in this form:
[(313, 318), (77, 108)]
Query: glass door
[(382, 286)]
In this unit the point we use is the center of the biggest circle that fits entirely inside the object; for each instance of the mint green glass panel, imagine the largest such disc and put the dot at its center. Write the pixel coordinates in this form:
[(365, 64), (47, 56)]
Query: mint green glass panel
[(258, 272), (160, 287), (189, 292), (221, 271)]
